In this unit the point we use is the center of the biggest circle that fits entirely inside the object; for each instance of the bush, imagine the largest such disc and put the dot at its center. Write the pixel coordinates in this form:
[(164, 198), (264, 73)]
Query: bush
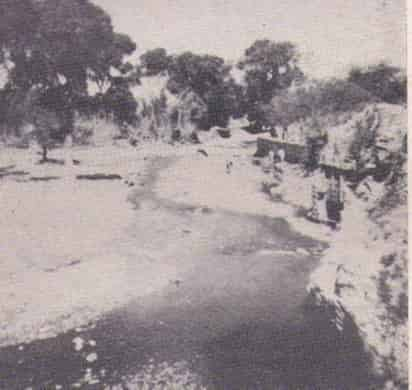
[(387, 83), (313, 101)]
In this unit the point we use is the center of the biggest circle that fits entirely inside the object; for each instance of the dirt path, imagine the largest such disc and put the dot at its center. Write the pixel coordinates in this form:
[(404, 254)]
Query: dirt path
[(229, 310)]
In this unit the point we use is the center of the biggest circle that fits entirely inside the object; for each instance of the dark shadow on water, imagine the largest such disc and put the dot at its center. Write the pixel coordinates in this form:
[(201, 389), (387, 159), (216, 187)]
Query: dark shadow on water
[(311, 354), (302, 354)]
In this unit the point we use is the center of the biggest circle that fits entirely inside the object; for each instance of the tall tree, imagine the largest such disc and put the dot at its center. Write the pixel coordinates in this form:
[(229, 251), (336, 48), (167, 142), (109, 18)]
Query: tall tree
[(55, 47), (269, 68), (209, 77)]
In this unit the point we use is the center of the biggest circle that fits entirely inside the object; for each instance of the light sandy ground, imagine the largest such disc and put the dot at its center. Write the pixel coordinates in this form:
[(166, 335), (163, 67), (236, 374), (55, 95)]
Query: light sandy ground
[(61, 256)]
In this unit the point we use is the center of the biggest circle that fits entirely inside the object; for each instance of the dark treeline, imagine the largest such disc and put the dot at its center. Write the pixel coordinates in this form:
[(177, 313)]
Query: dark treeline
[(52, 49)]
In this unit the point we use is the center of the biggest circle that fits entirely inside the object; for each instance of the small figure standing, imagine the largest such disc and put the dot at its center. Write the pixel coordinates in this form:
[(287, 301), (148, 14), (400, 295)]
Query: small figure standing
[(333, 202)]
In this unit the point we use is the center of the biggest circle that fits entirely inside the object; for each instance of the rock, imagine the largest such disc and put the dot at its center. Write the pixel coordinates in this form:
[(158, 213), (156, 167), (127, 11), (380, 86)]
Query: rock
[(224, 133), (206, 210), (202, 151), (78, 343), (45, 329), (45, 178), (73, 263), (302, 251), (92, 343), (194, 138), (99, 176), (92, 357), (273, 191)]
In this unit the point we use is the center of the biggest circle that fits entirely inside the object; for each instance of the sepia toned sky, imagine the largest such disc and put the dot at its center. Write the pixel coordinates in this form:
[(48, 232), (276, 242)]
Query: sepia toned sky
[(332, 34)]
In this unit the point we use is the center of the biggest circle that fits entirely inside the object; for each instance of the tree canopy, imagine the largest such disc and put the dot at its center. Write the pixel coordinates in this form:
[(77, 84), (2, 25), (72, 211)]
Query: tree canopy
[(155, 62), (52, 50), (56, 47), (209, 77), (269, 68), (206, 75), (386, 82), (313, 100)]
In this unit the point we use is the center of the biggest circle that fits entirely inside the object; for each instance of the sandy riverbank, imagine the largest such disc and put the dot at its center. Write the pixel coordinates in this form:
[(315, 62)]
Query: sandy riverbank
[(60, 260)]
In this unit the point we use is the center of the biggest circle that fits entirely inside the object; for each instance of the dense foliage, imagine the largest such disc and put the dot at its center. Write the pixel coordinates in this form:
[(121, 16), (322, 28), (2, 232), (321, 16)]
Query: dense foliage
[(55, 47), (314, 100), (387, 83), (206, 75), (52, 50), (270, 67)]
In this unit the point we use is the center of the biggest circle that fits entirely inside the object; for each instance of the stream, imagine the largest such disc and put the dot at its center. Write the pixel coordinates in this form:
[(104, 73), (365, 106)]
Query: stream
[(238, 317)]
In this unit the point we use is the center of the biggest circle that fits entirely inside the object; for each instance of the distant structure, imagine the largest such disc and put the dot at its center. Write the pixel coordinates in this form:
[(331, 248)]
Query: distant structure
[(296, 146), (294, 153)]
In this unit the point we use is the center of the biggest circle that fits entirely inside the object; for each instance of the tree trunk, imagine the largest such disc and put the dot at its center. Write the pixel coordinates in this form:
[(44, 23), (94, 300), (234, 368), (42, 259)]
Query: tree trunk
[(44, 154)]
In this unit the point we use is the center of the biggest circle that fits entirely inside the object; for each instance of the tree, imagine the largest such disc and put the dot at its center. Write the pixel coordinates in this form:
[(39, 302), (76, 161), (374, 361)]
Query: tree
[(320, 105), (18, 25), (209, 77), (155, 62), (314, 100), (55, 47), (388, 83), (222, 101), (120, 102), (47, 130), (117, 47), (269, 68)]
